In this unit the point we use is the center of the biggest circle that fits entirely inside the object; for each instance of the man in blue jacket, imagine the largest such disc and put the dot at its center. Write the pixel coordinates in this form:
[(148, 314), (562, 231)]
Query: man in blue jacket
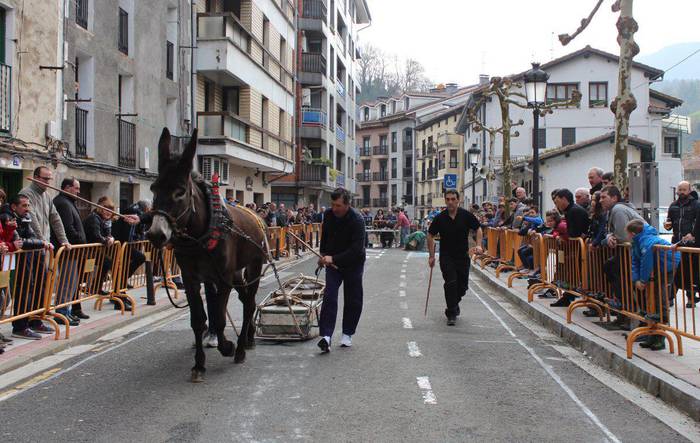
[(343, 255), (644, 263)]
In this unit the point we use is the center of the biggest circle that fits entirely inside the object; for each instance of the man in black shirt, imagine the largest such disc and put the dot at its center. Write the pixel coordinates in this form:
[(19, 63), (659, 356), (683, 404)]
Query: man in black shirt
[(577, 219), (453, 225), (343, 255)]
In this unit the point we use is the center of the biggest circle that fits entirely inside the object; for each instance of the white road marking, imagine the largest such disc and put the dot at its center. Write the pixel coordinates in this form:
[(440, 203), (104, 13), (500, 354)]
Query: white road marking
[(403, 275), (407, 323), (404, 266), (413, 350), (428, 395), (403, 305), (548, 369), (402, 293), (402, 284)]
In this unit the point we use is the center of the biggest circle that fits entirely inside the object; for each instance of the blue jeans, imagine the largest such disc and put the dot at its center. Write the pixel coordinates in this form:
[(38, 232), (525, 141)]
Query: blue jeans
[(405, 231), (352, 295)]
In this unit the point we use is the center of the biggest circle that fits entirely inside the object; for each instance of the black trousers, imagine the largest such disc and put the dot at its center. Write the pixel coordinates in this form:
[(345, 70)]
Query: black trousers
[(455, 272)]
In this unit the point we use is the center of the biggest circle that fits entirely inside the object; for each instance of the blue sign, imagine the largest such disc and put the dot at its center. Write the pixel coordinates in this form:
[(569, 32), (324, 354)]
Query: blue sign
[(450, 181)]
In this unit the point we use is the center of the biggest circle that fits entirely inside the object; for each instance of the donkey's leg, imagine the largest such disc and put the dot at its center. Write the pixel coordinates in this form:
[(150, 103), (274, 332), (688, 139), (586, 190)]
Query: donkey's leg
[(252, 273), (239, 286), (218, 319), (198, 321)]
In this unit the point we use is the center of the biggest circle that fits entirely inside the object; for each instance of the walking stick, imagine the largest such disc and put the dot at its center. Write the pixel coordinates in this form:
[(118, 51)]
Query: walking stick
[(430, 282), (77, 197)]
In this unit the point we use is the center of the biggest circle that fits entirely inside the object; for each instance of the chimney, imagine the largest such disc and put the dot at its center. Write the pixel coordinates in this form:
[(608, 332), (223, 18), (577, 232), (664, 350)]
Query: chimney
[(451, 87), (483, 79)]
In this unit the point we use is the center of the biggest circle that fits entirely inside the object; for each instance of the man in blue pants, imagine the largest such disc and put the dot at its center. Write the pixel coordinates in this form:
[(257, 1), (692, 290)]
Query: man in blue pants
[(343, 255)]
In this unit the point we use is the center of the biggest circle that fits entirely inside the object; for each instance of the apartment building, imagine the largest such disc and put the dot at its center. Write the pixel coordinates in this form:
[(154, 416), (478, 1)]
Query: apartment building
[(328, 53), (385, 176), (81, 92), (244, 94), (594, 73)]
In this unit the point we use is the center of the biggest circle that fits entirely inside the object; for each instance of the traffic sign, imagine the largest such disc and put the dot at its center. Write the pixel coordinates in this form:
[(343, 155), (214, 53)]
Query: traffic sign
[(450, 181)]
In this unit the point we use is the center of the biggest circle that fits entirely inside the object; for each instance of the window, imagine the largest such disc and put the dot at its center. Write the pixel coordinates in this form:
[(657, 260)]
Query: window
[(559, 92), (671, 146), (541, 138), (382, 112), (283, 52), (123, 31), (394, 191), (231, 99), (394, 142), (365, 142), (382, 140), (365, 110), (568, 136), (394, 163), (169, 59), (406, 103), (453, 158), (81, 13), (598, 94), (393, 106)]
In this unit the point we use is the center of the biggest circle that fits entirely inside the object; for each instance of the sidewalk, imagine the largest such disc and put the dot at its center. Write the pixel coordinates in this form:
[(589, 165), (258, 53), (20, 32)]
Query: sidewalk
[(674, 379), (22, 352)]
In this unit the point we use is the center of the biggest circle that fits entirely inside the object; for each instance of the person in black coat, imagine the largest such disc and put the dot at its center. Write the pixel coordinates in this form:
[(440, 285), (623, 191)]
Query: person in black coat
[(98, 229), (577, 219), (343, 255), (68, 272), (130, 228)]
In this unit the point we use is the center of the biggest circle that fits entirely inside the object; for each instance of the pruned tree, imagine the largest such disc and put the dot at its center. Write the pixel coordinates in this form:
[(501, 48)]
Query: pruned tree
[(384, 75), (625, 103)]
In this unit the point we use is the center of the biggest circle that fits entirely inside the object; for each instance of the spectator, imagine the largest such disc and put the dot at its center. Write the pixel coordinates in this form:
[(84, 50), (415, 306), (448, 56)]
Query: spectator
[(517, 210), (520, 194), (403, 224), (644, 238), (68, 271), (282, 215), (682, 217), (595, 179), (98, 229), (30, 281), (271, 214), (577, 220), (599, 220), (583, 198), (136, 219), (608, 179)]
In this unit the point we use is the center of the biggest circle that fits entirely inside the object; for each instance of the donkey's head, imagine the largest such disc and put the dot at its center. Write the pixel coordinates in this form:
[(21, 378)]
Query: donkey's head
[(172, 191)]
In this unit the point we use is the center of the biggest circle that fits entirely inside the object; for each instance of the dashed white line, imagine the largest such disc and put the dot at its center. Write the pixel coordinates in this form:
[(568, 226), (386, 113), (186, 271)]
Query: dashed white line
[(402, 284), (413, 350), (548, 369), (402, 293), (407, 323), (403, 275), (403, 305), (428, 395)]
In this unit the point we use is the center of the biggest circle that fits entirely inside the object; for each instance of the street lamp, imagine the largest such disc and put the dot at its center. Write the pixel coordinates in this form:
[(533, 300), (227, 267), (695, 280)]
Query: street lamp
[(474, 155), (536, 95)]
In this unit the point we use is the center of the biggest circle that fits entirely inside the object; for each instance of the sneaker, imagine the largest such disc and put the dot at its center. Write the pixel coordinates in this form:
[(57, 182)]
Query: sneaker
[(43, 329), (71, 321), (563, 302), (81, 315), (212, 341), (451, 320), (325, 345), (346, 341), (658, 344), (74, 318), (26, 334), (590, 313)]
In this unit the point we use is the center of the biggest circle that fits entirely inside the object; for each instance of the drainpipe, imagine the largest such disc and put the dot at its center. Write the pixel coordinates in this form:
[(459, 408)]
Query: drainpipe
[(193, 42)]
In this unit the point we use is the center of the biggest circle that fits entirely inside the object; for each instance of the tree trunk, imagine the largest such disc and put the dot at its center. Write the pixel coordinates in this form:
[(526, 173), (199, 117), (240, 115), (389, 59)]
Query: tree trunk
[(625, 102), (506, 126)]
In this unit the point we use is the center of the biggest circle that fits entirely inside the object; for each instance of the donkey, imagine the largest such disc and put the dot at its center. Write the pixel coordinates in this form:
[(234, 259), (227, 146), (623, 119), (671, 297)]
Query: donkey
[(181, 218)]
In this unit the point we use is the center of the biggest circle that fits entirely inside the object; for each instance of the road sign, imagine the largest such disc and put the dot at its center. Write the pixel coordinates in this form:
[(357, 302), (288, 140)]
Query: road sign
[(450, 181)]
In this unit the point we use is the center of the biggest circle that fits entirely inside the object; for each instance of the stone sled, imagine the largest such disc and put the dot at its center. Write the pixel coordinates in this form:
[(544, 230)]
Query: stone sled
[(291, 312)]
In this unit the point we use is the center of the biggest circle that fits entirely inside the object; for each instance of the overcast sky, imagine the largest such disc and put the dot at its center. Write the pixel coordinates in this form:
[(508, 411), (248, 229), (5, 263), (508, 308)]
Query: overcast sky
[(456, 40)]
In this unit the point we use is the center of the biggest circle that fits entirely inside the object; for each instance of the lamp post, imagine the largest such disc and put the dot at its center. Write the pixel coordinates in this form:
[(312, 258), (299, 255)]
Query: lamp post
[(474, 155), (536, 94)]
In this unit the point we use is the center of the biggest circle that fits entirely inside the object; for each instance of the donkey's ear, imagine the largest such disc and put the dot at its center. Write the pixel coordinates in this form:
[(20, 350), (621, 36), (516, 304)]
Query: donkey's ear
[(190, 150), (164, 148)]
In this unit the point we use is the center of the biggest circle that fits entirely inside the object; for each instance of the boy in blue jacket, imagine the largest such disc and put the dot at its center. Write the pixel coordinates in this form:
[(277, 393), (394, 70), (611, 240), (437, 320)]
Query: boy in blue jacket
[(644, 262)]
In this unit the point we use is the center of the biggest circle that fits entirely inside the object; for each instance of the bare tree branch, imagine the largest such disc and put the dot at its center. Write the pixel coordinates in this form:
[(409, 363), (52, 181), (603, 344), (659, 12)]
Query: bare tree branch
[(565, 39)]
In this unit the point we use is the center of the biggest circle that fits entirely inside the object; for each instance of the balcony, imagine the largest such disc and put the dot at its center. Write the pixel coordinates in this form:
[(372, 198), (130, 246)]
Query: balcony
[(5, 98), (432, 149), (312, 173), (380, 202), (380, 150), (364, 176), (340, 179), (81, 133), (431, 173), (127, 144), (315, 9), (365, 151), (449, 141), (313, 62), (248, 145), (381, 176), (340, 88), (363, 203), (313, 117), (339, 134), (407, 145)]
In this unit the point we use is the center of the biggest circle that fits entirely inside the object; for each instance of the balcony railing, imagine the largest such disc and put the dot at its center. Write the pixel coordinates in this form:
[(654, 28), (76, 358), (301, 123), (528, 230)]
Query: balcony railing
[(313, 117), (127, 144), (432, 149), (81, 132), (364, 176), (339, 134), (315, 9), (381, 150), (431, 173), (454, 164), (340, 179), (407, 145), (5, 98), (449, 140), (313, 62), (365, 151), (222, 124), (380, 202), (340, 88), (380, 176), (313, 173)]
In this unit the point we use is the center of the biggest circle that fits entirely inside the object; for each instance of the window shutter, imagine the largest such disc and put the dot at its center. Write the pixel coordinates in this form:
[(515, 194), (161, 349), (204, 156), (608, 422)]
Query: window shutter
[(206, 168), (224, 172)]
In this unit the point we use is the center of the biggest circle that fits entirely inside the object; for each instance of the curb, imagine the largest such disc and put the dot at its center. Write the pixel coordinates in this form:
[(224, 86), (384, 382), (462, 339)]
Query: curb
[(91, 337), (652, 379)]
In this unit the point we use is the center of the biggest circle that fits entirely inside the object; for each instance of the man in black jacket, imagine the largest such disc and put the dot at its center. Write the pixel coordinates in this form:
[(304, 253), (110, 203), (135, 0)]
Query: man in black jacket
[(343, 251), (98, 229), (577, 219), (682, 215), (68, 272)]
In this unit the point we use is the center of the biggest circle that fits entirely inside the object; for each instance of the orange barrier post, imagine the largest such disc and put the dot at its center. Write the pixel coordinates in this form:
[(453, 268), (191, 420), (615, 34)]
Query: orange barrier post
[(549, 263)]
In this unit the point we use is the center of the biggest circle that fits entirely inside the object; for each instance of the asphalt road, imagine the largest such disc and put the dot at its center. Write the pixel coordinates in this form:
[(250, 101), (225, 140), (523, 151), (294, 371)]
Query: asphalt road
[(407, 378)]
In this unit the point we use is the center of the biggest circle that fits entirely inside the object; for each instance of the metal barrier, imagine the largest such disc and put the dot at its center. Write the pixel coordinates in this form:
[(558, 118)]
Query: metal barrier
[(23, 285), (170, 270), (510, 258), (493, 238)]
